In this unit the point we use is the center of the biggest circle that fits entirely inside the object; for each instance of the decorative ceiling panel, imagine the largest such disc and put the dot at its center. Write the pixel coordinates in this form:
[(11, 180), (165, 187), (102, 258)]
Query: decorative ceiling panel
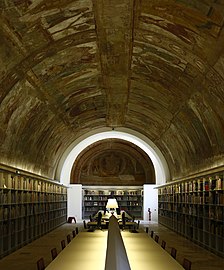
[(70, 66)]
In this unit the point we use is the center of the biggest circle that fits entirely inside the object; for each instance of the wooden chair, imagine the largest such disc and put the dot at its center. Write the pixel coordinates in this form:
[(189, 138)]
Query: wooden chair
[(68, 238), (54, 253), (152, 232), (99, 220), (147, 230), (138, 224), (73, 234), (76, 230), (40, 264), (84, 225), (173, 252), (131, 225), (163, 245), (186, 264), (70, 219), (157, 239), (63, 245)]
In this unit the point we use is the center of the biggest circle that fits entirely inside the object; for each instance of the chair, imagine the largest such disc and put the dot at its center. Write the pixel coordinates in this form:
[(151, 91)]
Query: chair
[(123, 220), (99, 219), (54, 253), (147, 230), (73, 233), (68, 238), (152, 232), (76, 230), (63, 244), (173, 252), (163, 245), (131, 225), (70, 219), (138, 224), (186, 264), (84, 225), (40, 264), (157, 239)]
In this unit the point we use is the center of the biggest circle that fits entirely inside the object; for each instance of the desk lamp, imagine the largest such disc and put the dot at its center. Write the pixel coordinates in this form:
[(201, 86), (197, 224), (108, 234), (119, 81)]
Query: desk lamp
[(112, 205)]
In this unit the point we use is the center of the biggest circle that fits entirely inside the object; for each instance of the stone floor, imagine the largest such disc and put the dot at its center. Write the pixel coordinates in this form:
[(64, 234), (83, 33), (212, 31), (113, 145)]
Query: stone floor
[(26, 257), (201, 258)]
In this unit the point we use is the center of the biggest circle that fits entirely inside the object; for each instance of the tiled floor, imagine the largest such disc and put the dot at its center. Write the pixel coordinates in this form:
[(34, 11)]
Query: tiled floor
[(26, 257)]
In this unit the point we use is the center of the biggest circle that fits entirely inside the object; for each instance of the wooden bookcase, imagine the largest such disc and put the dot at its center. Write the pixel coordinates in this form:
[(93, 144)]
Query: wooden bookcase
[(29, 208), (195, 209), (129, 200)]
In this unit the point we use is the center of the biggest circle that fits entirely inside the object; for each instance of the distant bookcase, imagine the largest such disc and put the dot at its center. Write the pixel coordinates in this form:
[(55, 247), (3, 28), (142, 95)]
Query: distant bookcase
[(29, 208), (129, 200), (195, 209)]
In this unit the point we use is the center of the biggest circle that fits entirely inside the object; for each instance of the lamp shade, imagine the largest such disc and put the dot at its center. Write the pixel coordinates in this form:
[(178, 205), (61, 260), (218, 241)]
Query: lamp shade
[(112, 203)]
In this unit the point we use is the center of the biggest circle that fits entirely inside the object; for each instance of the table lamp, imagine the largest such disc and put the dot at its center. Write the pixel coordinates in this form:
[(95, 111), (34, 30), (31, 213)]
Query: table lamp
[(112, 205)]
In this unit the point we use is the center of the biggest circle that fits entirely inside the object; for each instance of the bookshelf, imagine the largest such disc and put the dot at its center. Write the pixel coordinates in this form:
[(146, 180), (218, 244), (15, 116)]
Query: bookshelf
[(195, 209), (29, 208), (129, 200)]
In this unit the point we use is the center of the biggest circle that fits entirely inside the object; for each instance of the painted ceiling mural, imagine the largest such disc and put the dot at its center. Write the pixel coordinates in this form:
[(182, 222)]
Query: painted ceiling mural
[(70, 66), (113, 161)]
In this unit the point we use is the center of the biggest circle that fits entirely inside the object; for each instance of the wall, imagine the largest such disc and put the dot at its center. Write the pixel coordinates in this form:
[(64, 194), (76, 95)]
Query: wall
[(150, 201), (75, 201)]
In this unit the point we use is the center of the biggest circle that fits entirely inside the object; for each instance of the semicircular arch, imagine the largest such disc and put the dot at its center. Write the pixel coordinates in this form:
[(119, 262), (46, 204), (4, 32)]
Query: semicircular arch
[(67, 160)]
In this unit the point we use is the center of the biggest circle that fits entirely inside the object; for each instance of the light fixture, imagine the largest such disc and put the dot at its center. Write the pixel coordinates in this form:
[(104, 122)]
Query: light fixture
[(112, 204)]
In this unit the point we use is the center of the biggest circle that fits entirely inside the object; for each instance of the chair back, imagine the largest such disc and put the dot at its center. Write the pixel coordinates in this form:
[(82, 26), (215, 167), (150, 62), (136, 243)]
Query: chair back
[(152, 232), (163, 245), (123, 219), (68, 238), (84, 224), (138, 224), (157, 238), (40, 264), (73, 234), (54, 253), (186, 264), (76, 230), (63, 244), (99, 218), (173, 252)]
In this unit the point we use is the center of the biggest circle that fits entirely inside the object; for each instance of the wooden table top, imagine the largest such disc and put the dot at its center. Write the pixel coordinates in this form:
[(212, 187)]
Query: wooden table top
[(88, 251), (144, 253)]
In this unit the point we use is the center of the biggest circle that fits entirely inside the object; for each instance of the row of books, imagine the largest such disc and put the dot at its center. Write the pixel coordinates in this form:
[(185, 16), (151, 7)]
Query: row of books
[(212, 198), (11, 181), (30, 197), (199, 185), (25, 210), (102, 204), (211, 211), (118, 198), (36, 219), (112, 192), (29, 225)]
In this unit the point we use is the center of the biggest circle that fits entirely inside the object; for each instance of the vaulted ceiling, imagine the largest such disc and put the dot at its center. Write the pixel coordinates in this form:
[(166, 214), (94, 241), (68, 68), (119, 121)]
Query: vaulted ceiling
[(71, 66)]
